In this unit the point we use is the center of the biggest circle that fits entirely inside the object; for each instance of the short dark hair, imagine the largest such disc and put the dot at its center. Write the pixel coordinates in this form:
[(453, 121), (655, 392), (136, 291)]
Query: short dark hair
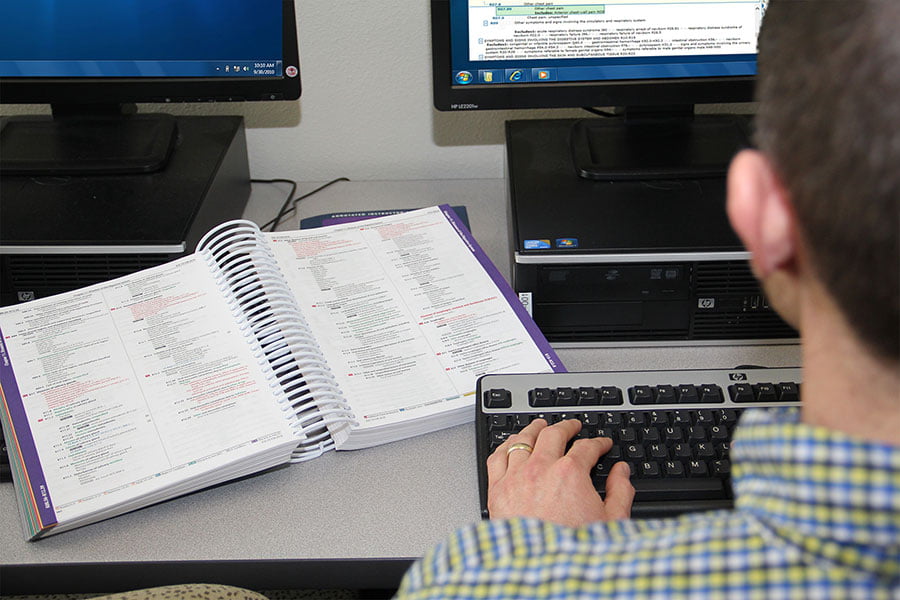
[(829, 118)]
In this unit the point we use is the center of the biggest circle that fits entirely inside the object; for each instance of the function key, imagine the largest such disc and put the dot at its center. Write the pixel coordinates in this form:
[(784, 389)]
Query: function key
[(711, 393), (539, 397), (497, 399), (788, 392), (641, 394), (665, 394), (587, 396), (741, 392), (687, 394), (565, 396), (765, 392), (610, 395)]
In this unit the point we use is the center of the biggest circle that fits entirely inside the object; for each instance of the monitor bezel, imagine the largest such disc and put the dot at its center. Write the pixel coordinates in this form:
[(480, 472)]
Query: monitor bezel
[(60, 91), (653, 92)]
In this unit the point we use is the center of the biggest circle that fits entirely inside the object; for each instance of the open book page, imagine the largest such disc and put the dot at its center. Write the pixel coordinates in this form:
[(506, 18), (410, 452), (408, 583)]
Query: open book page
[(128, 387), (405, 314)]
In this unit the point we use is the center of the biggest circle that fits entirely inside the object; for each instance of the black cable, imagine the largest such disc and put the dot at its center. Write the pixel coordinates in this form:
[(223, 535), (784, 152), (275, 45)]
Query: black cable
[(599, 113), (287, 200), (292, 202)]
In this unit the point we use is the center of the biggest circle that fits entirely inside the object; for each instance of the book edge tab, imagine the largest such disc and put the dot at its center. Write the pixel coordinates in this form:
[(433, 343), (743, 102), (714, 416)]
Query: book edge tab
[(34, 488), (511, 297)]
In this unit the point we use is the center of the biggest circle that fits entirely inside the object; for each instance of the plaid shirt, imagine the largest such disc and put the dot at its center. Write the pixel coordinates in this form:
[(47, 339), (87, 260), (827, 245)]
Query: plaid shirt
[(817, 516)]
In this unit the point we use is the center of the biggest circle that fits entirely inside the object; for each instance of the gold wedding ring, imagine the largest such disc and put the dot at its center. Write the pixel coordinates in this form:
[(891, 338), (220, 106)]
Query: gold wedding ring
[(519, 446)]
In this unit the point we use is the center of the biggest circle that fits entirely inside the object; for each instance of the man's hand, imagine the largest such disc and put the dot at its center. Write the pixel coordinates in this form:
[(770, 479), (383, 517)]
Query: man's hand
[(552, 484)]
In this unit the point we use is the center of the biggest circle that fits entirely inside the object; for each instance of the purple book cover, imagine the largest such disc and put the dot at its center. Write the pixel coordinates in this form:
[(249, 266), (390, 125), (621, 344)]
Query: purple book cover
[(23, 449), (549, 354)]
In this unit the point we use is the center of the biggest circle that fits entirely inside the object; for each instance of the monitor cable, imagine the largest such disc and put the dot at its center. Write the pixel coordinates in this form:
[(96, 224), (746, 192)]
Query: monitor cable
[(290, 203)]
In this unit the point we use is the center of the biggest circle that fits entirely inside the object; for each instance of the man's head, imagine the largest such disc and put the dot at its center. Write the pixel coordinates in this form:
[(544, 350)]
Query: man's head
[(828, 130)]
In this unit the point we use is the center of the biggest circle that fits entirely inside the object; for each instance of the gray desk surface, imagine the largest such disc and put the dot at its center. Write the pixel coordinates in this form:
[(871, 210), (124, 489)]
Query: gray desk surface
[(347, 519)]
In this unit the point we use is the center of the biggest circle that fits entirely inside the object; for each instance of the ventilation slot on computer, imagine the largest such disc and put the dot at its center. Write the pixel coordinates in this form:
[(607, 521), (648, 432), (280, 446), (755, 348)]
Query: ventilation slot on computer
[(731, 305), (50, 274), (725, 277)]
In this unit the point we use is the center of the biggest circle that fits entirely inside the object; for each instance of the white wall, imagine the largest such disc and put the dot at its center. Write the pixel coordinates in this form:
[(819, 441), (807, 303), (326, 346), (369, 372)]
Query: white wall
[(365, 111)]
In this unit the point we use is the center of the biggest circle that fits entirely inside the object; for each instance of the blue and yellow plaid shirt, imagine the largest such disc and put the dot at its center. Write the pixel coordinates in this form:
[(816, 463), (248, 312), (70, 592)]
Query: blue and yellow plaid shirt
[(817, 516)]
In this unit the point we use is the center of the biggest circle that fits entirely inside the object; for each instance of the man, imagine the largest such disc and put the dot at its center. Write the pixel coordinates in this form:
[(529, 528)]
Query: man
[(817, 494)]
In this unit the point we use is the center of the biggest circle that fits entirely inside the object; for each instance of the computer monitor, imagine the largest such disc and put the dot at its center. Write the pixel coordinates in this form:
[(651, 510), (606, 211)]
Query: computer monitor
[(91, 60), (651, 59)]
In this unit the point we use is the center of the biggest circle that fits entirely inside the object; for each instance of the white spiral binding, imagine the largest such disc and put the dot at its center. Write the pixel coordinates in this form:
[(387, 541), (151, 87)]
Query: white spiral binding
[(269, 317)]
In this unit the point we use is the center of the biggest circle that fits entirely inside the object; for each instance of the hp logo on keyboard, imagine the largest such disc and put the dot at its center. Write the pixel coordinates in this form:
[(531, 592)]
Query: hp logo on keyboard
[(737, 376)]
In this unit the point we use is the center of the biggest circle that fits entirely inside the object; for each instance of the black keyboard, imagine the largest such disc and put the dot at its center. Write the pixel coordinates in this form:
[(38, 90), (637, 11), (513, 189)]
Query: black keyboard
[(674, 428)]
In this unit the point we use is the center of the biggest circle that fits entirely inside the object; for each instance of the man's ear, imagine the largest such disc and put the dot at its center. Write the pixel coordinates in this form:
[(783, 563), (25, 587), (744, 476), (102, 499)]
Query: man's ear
[(761, 214)]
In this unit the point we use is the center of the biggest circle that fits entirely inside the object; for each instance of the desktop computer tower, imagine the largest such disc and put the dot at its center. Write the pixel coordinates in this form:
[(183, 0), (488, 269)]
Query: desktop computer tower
[(65, 232), (635, 262)]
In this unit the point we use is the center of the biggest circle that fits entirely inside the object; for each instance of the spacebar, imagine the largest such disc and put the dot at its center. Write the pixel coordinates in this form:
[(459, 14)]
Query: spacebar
[(698, 488)]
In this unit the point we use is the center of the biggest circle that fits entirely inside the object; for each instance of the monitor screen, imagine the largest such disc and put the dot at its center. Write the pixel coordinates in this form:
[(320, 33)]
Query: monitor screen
[(122, 51), (92, 60), (571, 53)]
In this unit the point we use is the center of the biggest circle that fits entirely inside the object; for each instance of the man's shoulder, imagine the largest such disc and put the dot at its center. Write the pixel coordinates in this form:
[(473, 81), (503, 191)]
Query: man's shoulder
[(518, 551)]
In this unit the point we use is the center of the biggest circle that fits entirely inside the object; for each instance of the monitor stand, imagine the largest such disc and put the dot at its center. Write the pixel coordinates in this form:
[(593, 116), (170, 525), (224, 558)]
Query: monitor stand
[(646, 144), (87, 140)]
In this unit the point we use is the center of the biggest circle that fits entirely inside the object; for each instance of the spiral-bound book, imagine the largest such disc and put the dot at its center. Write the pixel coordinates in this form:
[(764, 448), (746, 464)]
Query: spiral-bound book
[(256, 350)]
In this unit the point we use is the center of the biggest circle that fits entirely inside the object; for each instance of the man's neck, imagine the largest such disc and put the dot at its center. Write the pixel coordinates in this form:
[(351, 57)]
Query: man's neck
[(845, 388)]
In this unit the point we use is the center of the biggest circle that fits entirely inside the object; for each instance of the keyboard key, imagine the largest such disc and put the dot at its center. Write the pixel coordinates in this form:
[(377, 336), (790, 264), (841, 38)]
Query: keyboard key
[(658, 417), (718, 432), (711, 394), (540, 397), (697, 433), (588, 396), (788, 392), (635, 417), (626, 435), (741, 392), (565, 396), (721, 468), (590, 419), (681, 450), (499, 422), (641, 394), (673, 468), (521, 420), (615, 453), (728, 416), (650, 469), (610, 396), (704, 450), (698, 468), (687, 394), (673, 435), (649, 434), (665, 394), (705, 488), (613, 419), (497, 399), (705, 416), (634, 451), (681, 417), (658, 451), (765, 392)]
